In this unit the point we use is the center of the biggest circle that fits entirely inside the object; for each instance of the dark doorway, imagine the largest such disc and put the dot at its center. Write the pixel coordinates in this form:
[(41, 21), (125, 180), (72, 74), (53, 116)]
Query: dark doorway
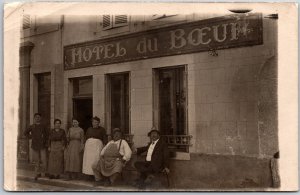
[(83, 112), (119, 101), (44, 97), (83, 101)]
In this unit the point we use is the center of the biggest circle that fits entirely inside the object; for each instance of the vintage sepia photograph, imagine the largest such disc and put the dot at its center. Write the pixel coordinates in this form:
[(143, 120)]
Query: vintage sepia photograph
[(185, 99)]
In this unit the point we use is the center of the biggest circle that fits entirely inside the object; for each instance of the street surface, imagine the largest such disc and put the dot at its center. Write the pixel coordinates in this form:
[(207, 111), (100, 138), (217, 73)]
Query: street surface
[(35, 186)]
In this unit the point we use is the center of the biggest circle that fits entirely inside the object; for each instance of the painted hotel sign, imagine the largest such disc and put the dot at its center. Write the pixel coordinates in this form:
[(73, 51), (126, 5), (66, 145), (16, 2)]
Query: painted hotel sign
[(217, 33)]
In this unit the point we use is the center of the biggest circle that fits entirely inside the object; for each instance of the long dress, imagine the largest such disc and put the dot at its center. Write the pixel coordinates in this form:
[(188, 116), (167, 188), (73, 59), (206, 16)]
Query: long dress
[(73, 153), (57, 141), (95, 138)]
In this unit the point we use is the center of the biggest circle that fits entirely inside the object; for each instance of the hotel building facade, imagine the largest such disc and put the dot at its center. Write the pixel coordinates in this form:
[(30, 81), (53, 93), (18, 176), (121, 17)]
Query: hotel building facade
[(207, 82)]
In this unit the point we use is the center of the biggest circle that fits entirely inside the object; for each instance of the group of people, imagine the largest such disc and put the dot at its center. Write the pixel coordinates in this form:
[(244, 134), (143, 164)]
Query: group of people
[(91, 153)]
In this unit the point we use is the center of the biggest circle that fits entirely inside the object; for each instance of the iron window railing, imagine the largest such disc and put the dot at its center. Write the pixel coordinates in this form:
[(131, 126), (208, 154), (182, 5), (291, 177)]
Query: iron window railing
[(178, 140)]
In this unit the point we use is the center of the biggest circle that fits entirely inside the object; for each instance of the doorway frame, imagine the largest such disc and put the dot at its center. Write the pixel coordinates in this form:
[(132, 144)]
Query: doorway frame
[(71, 97)]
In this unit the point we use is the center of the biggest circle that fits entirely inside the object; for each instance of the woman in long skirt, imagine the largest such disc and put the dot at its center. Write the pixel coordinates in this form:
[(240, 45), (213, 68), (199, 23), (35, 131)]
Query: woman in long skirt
[(75, 137), (95, 139), (57, 142)]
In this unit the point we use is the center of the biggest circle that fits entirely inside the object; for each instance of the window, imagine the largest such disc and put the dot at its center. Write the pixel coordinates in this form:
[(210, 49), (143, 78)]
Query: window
[(118, 101), (114, 21), (83, 87), (36, 25), (26, 22), (170, 114)]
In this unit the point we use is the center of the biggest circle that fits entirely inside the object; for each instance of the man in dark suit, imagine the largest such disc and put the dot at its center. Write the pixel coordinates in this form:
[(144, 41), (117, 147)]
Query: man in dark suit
[(157, 159)]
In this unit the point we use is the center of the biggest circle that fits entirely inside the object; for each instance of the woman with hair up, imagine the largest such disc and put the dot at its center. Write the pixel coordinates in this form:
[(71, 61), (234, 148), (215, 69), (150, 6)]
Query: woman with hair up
[(95, 139), (75, 138), (57, 142)]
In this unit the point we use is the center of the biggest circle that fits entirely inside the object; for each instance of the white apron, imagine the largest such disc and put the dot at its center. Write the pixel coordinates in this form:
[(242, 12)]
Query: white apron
[(91, 155)]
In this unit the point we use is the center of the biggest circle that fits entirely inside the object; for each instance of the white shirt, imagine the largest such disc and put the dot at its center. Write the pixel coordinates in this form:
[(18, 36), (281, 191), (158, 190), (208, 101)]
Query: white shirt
[(125, 150), (150, 150)]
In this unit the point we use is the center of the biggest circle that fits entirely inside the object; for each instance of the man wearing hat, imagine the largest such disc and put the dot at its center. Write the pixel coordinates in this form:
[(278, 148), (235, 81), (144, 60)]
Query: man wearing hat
[(157, 159), (112, 159)]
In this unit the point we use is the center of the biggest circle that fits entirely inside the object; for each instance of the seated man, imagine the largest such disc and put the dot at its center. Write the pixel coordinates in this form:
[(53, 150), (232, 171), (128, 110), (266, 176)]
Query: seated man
[(112, 159), (157, 159)]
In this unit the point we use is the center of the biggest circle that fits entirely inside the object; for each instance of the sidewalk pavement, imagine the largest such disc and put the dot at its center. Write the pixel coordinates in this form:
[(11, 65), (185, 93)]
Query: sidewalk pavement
[(70, 185)]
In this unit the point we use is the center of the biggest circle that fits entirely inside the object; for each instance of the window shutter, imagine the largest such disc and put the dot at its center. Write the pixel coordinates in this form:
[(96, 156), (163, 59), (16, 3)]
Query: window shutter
[(112, 21), (107, 22), (120, 20), (26, 21)]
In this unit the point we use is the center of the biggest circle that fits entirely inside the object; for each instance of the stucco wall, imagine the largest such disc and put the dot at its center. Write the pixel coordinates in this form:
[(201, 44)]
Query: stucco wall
[(221, 172), (224, 111), (46, 56), (223, 95)]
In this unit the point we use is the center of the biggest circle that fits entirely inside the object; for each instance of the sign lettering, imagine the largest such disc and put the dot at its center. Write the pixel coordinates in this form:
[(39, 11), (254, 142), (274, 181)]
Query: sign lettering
[(217, 33)]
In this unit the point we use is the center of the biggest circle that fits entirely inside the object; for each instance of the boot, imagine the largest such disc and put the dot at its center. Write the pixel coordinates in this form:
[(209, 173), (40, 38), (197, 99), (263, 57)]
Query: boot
[(113, 178)]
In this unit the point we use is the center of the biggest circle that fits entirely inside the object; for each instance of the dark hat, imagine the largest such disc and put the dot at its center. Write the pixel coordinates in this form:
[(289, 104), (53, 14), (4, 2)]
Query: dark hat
[(117, 130), (153, 129), (96, 118)]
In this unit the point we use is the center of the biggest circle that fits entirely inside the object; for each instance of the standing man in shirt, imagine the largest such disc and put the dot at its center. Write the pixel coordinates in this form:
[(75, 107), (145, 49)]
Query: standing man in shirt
[(39, 135), (157, 159)]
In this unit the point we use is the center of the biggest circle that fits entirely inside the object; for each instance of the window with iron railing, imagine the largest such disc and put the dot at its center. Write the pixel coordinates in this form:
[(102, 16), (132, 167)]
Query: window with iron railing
[(170, 106)]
